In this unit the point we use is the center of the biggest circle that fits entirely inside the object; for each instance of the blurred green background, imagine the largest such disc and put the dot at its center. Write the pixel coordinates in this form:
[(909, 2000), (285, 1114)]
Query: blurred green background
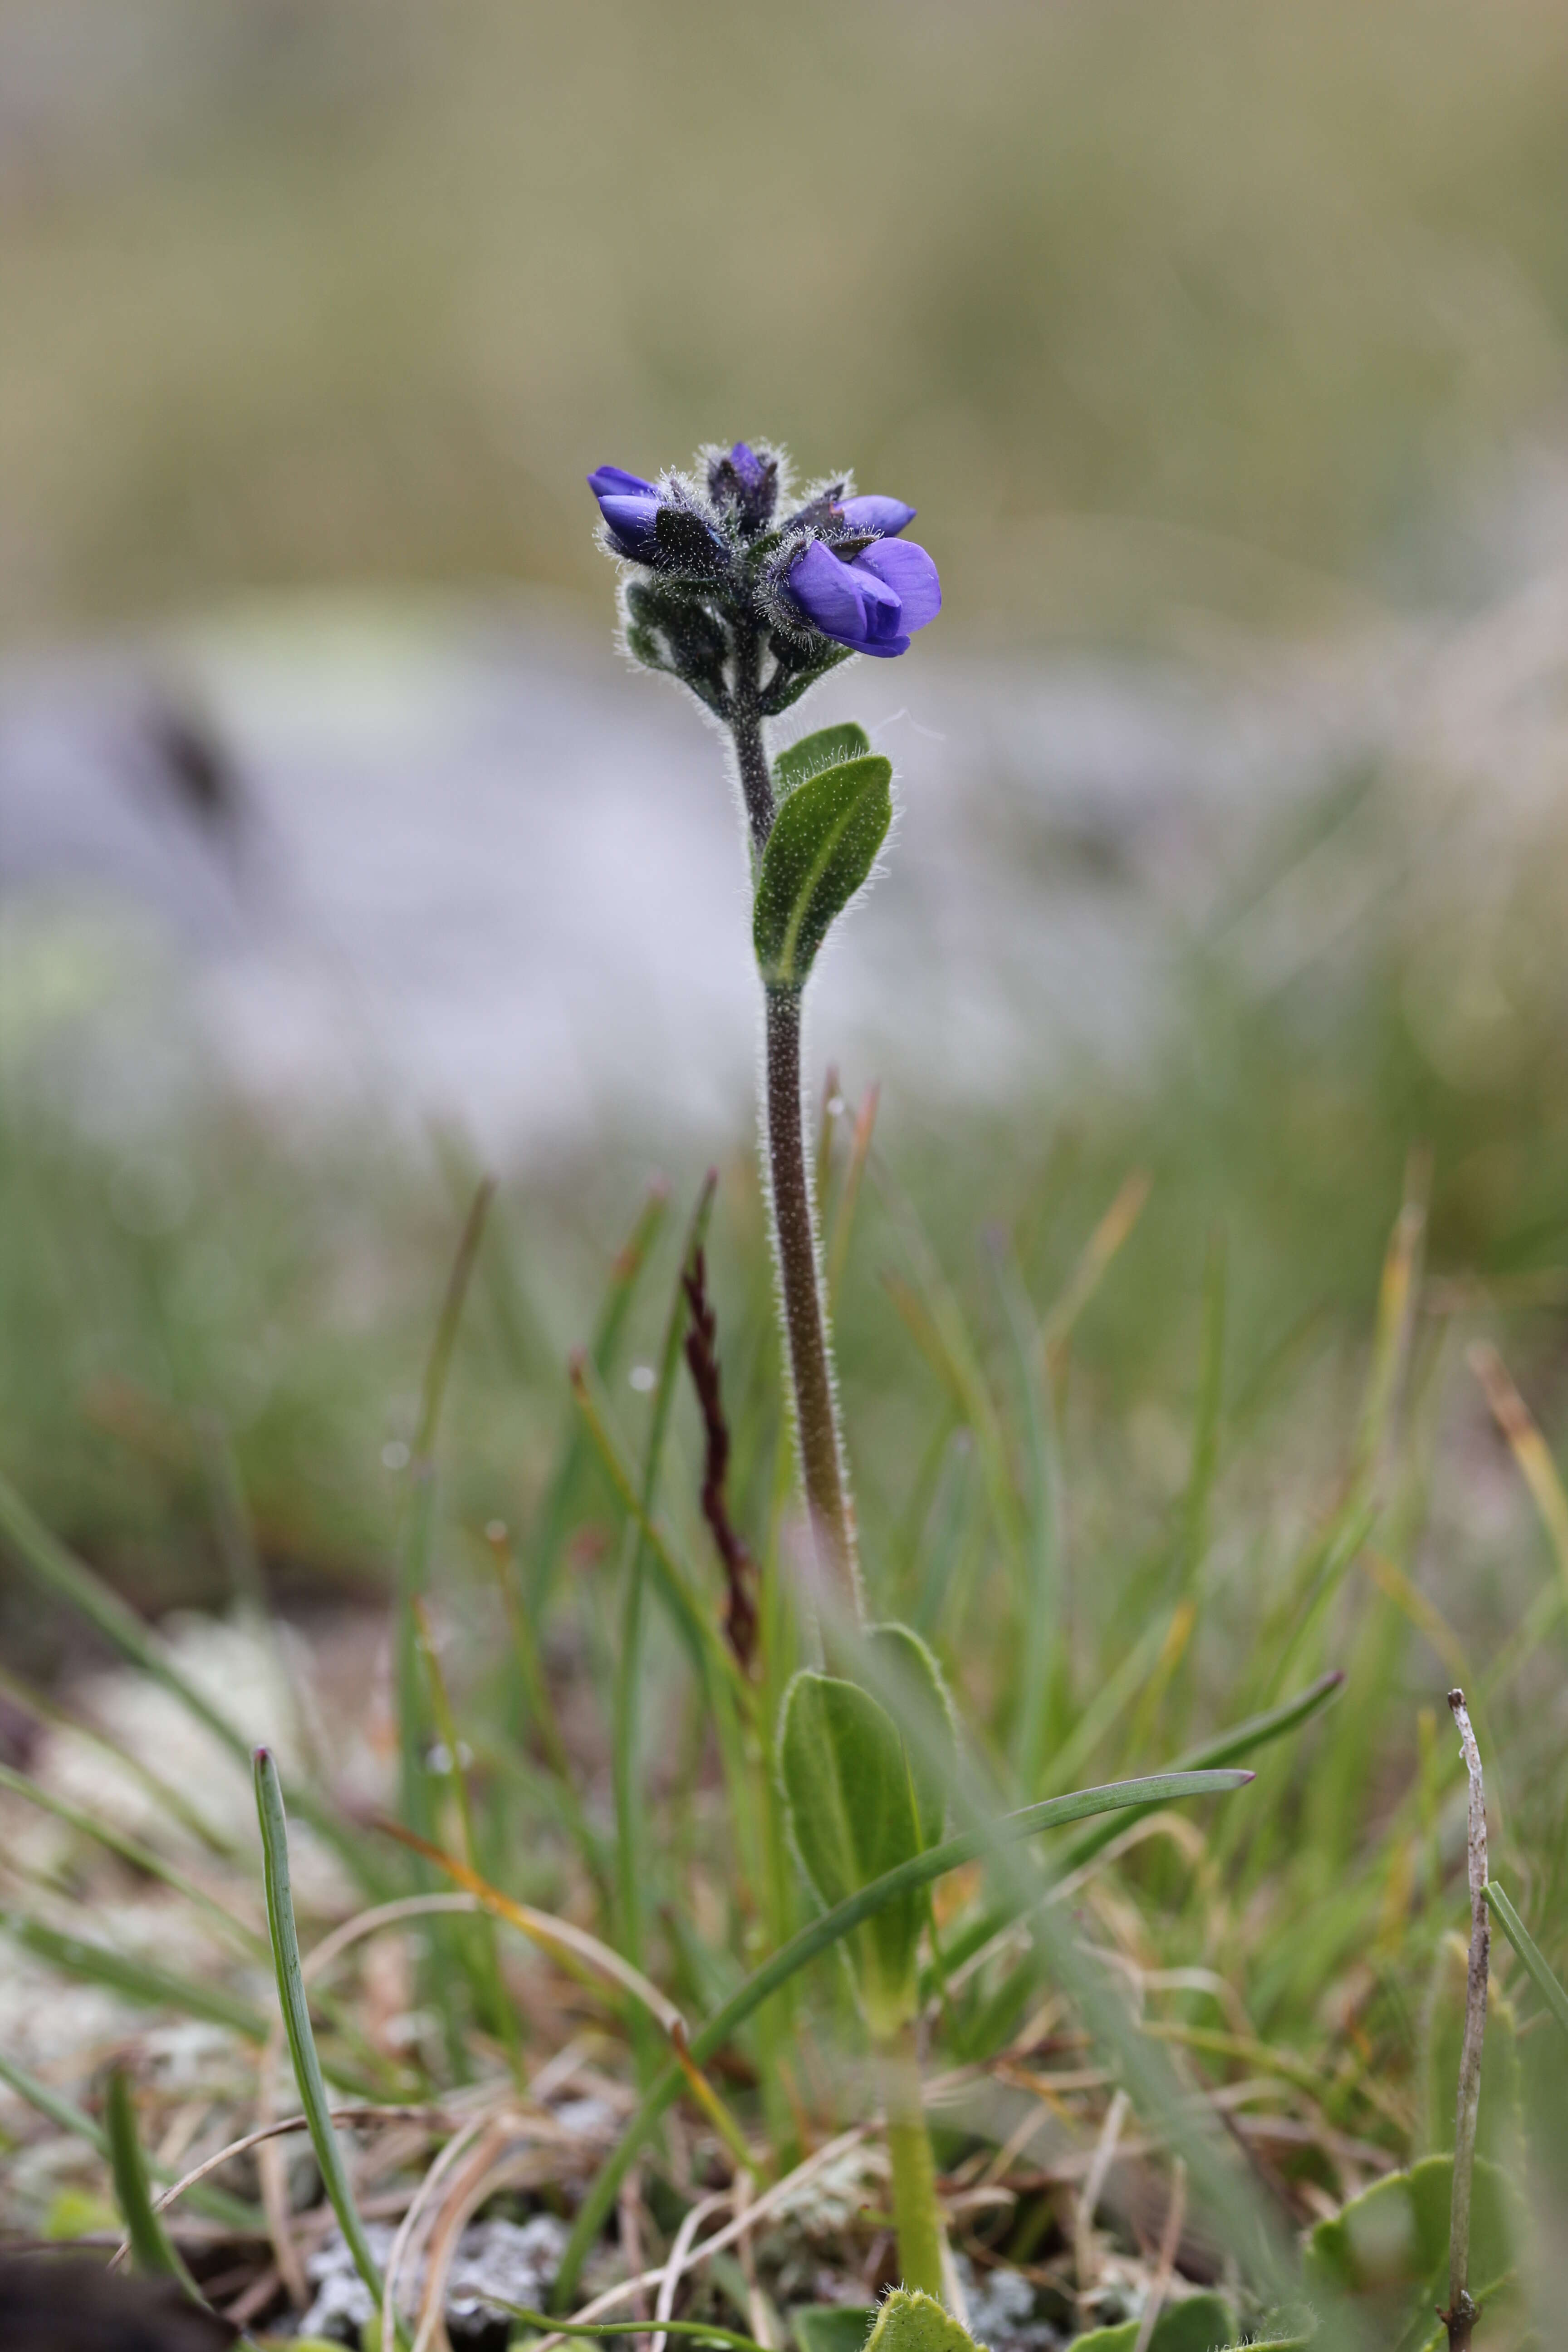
[(1149, 304)]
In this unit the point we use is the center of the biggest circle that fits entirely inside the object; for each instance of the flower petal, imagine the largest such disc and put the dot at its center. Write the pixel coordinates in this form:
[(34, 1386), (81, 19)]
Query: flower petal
[(908, 571), (607, 481), (828, 593), (885, 650), (888, 515), (631, 519)]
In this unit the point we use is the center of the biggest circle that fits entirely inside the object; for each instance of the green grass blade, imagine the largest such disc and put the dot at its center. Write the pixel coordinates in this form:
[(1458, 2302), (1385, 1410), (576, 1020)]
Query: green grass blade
[(1043, 1630), (297, 2022), (701, 2330), (1541, 1974), (151, 2248), (247, 2220), (550, 1527), (142, 1981), (131, 1850), (627, 1713), (58, 1571), (820, 1935), (46, 1710), (1229, 1748)]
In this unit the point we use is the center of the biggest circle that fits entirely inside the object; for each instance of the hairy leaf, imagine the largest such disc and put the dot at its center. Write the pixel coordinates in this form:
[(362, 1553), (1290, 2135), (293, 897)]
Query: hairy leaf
[(823, 845), (828, 748)]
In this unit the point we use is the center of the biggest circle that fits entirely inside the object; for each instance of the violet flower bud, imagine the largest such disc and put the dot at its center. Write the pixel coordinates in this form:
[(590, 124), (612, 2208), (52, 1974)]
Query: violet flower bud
[(874, 602), (630, 506)]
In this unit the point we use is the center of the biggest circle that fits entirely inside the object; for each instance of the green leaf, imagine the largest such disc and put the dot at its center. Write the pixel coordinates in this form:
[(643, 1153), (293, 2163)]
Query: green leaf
[(910, 2321), (852, 1816), (832, 2327), (823, 845), (1541, 1974), (1386, 2255), (1201, 2322), (828, 748), (152, 2247), (862, 1800), (819, 1935), (297, 2026)]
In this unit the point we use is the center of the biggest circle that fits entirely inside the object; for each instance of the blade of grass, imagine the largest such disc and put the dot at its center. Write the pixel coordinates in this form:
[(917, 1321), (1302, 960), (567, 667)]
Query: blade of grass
[(450, 1954), (491, 2001), (296, 2011), (627, 1713), (47, 1710), (843, 1221), (1042, 1628), (550, 1527), (820, 1936), (1541, 1974), (701, 2330), (540, 1708), (1100, 1250), (56, 1570), (1228, 1747), (131, 1851), (246, 2221), (142, 1981), (1528, 1449), (151, 2248), (678, 1585)]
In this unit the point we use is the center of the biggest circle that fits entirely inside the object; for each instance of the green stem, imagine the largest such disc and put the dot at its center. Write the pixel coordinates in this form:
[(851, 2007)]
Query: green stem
[(916, 2219), (818, 1440)]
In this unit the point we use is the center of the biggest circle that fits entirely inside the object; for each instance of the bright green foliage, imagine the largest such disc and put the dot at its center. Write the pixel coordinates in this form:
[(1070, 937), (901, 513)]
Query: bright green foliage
[(911, 2321), (832, 2327), (823, 845), (151, 2248), (862, 1800), (1544, 1976), (1386, 2255), (1200, 2323), (828, 748)]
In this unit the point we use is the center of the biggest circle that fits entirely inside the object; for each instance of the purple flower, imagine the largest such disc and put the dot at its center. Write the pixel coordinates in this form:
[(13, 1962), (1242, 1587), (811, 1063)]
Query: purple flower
[(628, 505), (874, 601)]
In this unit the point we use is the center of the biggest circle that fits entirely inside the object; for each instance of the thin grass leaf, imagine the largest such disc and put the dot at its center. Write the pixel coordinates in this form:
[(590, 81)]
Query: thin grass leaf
[(677, 1583), (246, 2221), (701, 2330), (296, 2011), (822, 1934), (58, 1571), (47, 1710), (626, 1774), (138, 1856), (1098, 1253), (1044, 1629), (550, 1527), (1541, 1974), (151, 2248), (139, 1980), (491, 2000)]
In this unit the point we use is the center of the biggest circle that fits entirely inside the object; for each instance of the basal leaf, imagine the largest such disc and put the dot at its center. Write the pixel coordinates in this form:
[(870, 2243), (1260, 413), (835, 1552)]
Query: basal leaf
[(910, 2321), (1200, 2322), (823, 845), (1386, 2255), (852, 1815), (828, 748)]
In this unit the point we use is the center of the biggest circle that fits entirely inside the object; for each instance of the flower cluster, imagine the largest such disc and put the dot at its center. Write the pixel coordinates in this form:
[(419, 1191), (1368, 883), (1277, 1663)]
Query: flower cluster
[(749, 606)]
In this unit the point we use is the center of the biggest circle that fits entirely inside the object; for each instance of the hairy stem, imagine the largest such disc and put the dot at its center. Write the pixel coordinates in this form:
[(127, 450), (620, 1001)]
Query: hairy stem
[(751, 752), (1460, 2316), (916, 2219), (810, 1352)]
